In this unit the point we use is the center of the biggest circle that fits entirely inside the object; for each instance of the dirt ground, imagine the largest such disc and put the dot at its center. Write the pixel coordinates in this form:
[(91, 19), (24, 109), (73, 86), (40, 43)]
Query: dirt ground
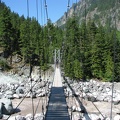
[(98, 108), (25, 107)]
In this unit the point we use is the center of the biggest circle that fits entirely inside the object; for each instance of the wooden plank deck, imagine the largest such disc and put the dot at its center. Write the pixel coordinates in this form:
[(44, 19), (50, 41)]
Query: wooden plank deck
[(57, 108)]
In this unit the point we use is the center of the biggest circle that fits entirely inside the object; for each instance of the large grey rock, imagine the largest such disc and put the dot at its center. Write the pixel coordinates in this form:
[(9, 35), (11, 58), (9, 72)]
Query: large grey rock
[(1, 95), (86, 90), (117, 117), (19, 117), (73, 108), (92, 99), (20, 90), (1, 105), (33, 94), (94, 117), (16, 96), (9, 94), (29, 117), (78, 109), (100, 98), (39, 116), (5, 117), (7, 107), (107, 89)]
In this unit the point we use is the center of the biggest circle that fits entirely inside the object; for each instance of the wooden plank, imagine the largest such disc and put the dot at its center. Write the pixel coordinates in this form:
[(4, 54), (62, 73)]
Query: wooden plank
[(57, 106)]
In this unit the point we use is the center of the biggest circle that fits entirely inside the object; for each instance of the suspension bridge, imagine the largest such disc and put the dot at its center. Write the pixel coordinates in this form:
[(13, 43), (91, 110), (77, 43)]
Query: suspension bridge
[(57, 106)]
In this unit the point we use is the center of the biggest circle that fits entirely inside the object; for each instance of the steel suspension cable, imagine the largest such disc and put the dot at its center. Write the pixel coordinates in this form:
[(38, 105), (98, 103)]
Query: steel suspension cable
[(68, 6), (30, 62), (27, 8), (37, 9), (22, 100), (41, 12), (48, 38), (46, 9), (114, 59), (44, 100)]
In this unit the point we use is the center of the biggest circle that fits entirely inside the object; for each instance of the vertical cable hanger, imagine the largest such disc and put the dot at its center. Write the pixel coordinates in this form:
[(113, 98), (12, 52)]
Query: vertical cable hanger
[(114, 59), (46, 10), (37, 9), (37, 25), (30, 64), (28, 33), (47, 15), (42, 22), (68, 6), (27, 8), (39, 53), (41, 12)]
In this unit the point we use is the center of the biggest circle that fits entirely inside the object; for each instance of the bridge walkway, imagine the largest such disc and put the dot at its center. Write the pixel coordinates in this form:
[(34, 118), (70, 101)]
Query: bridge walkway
[(57, 107)]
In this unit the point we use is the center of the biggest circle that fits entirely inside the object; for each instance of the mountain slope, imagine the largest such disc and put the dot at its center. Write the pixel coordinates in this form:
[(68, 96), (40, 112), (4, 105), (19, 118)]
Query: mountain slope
[(101, 11)]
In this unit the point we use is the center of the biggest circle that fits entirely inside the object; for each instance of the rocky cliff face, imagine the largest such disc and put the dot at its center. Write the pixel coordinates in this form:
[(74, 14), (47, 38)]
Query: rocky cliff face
[(101, 11)]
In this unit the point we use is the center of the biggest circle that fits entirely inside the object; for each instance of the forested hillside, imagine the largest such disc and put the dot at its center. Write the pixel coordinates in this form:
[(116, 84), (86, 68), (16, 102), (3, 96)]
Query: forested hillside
[(27, 38), (91, 51), (87, 50), (101, 11)]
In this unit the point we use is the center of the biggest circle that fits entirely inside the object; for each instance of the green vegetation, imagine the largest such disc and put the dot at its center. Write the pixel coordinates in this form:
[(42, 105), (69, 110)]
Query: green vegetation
[(4, 65), (87, 50), (26, 37)]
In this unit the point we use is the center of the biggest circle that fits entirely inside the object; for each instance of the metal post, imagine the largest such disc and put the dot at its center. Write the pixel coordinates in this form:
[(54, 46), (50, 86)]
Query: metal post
[(114, 57), (55, 57)]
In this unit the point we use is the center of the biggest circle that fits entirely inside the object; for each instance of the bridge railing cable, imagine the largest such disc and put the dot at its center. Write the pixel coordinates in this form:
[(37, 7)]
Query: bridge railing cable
[(31, 67), (114, 58), (26, 94)]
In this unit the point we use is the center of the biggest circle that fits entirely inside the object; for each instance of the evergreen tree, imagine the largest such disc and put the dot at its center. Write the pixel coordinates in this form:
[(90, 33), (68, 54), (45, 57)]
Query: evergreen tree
[(25, 40), (6, 32)]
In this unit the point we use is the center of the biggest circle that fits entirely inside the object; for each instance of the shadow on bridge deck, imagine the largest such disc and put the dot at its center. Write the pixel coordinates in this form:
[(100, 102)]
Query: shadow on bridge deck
[(57, 108)]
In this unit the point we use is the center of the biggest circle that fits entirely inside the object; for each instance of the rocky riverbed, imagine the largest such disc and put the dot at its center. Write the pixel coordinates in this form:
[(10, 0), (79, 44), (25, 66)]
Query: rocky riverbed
[(90, 100), (18, 93)]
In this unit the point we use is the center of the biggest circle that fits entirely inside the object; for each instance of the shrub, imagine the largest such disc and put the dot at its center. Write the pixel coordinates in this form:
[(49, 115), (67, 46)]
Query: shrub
[(4, 65)]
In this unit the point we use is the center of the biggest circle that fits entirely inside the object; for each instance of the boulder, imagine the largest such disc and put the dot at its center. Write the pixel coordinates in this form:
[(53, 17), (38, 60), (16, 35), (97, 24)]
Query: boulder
[(1, 95), (5, 117), (78, 109), (94, 117), (108, 89), (19, 117), (22, 84), (86, 90), (16, 96), (39, 116), (117, 117), (33, 94), (73, 108), (92, 99), (7, 107), (20, 90), (1, 115), (100, 98), (29, 117), (9, 94)]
